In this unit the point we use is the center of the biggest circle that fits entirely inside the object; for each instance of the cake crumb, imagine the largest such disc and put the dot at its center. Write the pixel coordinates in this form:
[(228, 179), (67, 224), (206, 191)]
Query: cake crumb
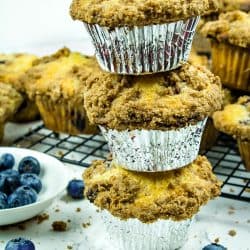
[(232, 232), (236, 222), (60, 153), (231, 212), (41, 218), (68, 220), (85, 225), (69, 247), (57, 210), (78, 209), (231, 208), (231, 190), (97, 210), (217, 240), (247, 190), (59, 226)]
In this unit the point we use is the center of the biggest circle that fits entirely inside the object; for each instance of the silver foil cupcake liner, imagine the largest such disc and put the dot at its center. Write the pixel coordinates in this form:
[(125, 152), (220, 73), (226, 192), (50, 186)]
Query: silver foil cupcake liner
[(154, 150), (141, 50), (132, 234)]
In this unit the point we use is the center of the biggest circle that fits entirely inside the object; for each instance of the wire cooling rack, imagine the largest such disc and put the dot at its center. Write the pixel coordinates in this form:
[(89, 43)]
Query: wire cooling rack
[(81, 150)]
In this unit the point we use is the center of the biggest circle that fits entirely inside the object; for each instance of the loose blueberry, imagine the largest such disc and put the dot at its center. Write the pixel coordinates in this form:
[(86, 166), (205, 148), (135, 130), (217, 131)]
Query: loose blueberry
[(214, 246), (32, 181), (9, 181), (20, 244), (29, 164), (23, 195), (3, 201), (7, 161), (75, 189)]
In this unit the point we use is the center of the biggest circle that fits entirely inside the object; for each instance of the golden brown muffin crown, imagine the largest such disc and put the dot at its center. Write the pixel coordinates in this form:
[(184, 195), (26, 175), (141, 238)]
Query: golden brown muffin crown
[(115, 13), (175, 195)]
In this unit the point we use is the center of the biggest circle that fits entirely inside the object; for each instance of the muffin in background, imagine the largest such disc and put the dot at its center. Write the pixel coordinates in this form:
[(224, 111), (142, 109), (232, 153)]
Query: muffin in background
[(12, 67), (235, 120), (56, 85), (141, 37), (230, 41), (149, 210), (153, 122), (10, 100)]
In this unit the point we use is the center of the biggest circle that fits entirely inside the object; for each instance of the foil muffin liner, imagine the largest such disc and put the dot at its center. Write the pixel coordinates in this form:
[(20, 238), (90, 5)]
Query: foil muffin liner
[(142, 50), (133, 234), (154, 150)]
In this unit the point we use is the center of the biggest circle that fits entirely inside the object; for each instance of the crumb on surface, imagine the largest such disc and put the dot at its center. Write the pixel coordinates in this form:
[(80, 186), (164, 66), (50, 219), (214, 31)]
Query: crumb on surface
[(78, 209), (231, 212), (232, 208), (41, 218), (69, 247), (59, 226), (248, 221), (232, 232), (236, 222), (85, 225), (68, 220), (247, 190), (231, 190), (217, 240), (57, 210)]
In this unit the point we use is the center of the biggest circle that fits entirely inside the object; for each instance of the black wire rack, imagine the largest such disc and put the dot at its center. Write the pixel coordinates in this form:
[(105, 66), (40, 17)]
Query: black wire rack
[(83, 149)]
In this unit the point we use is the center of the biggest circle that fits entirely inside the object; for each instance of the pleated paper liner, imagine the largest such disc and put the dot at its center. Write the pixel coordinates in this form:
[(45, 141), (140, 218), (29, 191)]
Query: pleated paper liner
[(244, 148), (64, 116), (143, 50), (232, 64), (1, 132)]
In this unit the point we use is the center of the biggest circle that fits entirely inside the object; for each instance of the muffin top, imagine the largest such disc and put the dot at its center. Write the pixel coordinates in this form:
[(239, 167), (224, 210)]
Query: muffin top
[(235, 119), (117, 13), (58, 76), (12, 66), (175, 195), (161, 101), (10, 100), (232, 27)]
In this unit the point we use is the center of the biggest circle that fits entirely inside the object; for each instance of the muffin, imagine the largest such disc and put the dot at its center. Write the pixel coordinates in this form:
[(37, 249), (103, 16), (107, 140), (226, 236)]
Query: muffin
[(54, 83), (198, 59), (10, 100), (235, 120), (12, 66), (149, 210), (230, 41), (140, 37), (153, 121)]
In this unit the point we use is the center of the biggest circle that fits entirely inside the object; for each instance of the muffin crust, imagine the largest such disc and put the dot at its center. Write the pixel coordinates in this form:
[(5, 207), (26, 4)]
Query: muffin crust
[(232, 27), (235, 119), (175, 195), (160, 101), (116, 13)]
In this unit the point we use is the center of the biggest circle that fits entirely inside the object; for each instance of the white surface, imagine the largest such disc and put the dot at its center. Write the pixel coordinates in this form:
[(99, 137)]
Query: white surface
[(51, 168)]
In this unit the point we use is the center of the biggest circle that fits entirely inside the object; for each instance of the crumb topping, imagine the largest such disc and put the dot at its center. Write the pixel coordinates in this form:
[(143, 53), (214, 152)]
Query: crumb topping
[(160, 101), (175, 195), (115, 13)]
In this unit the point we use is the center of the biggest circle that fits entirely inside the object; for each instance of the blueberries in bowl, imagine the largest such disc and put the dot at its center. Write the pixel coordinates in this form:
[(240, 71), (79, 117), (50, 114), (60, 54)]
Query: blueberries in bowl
[(3, 200), (20, 244), (75, 189), (9, 181), (7, 161), (29, 164), (32, 181), (22, 196), (214, 246)]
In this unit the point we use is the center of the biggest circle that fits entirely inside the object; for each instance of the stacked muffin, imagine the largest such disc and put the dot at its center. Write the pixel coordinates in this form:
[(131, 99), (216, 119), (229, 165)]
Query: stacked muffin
[(152, 111)]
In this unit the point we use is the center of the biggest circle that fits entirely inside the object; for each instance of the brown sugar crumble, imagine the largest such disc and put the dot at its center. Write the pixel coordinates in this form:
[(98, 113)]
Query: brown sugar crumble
[(217, 240), (232, 233), (41, 218), (59, 226), (69, 247), (78, 209), (85, 225)]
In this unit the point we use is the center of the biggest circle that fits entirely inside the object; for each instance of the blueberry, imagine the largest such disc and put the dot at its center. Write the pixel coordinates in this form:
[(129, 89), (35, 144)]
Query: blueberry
[(32, 181), (23, 195), (9, 181), (29, 164), (20, 244), (3, 201), (7, 161), (214, 246), (75, 189)]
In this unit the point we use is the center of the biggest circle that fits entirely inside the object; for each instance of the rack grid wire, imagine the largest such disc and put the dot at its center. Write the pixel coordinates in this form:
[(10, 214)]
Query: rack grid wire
[(81, 150)]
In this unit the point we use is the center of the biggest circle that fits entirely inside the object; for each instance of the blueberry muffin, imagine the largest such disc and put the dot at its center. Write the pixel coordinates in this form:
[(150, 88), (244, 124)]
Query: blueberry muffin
[(160, 203), (56, 85), (12, 66), (230, 41), (155, 120), (141, 37), (235, 120), (10, 100)]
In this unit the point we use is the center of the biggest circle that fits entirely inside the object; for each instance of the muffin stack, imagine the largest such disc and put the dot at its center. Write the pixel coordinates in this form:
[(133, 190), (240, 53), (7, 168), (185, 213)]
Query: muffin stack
[(152, 111)]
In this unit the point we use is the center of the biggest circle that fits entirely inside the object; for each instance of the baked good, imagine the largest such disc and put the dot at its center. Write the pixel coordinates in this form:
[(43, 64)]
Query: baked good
[(235, 120), (140, 37), (153, 121), (54, 84), (198, 59), (134, 201), (230, 38), (10, 100), (12, 66)]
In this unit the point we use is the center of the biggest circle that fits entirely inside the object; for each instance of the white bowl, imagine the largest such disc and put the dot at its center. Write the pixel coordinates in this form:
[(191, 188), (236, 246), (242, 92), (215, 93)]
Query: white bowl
[(54, 177)]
